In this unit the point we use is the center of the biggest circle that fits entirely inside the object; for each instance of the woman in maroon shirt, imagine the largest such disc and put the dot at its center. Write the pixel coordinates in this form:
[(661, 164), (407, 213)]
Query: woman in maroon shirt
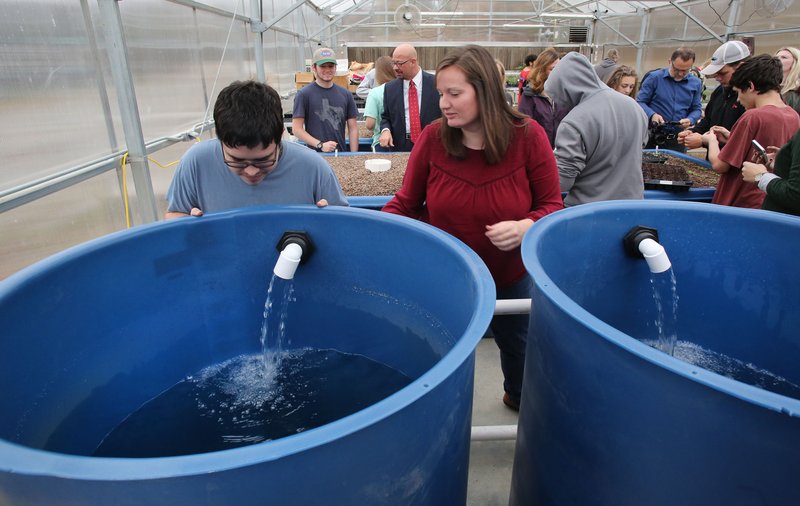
[(483, 173)]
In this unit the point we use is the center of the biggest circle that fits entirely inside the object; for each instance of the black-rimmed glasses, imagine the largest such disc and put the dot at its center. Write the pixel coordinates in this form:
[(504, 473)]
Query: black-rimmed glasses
[(396, 63), (260, 164)]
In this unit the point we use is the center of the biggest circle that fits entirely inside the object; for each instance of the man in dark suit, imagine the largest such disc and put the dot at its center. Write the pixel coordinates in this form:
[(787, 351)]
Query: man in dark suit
[(398, 132)]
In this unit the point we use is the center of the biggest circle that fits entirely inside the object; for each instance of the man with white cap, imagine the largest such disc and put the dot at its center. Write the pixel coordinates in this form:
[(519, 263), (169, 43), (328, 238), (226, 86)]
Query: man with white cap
[(322, 109), (723, 107)]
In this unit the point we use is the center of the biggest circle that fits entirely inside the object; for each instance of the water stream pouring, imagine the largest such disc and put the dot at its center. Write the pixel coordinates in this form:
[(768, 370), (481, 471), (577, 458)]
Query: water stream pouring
[(642, 242), (295, 248)]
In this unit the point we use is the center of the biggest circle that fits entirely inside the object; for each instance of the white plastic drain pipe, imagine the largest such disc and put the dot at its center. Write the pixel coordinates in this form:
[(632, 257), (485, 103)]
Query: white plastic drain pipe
[(501, 432), (655, 255), (288, 261), (512, 306), (494, 433)]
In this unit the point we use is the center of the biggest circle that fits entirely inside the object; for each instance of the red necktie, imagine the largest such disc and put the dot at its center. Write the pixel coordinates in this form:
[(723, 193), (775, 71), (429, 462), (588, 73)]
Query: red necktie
[(413, 112)]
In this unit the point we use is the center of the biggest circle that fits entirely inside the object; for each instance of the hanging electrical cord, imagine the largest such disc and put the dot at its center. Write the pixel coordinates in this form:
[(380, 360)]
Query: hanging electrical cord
[(125, 192), (726, 25), (125, 182)]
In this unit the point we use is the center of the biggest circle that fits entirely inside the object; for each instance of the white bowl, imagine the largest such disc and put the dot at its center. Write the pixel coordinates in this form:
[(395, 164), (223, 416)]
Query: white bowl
[(378, 165)]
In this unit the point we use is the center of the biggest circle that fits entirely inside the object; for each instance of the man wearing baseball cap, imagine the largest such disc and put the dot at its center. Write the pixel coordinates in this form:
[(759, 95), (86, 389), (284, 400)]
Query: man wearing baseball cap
[(322, 109), (723, 107)]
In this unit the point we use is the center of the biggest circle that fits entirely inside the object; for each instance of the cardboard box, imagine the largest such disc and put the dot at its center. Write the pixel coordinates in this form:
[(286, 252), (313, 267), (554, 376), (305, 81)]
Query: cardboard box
[(343, 81), (302, 78)]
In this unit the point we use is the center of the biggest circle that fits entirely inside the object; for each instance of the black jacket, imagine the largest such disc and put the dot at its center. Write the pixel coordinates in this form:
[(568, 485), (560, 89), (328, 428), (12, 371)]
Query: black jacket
[(723, 110)]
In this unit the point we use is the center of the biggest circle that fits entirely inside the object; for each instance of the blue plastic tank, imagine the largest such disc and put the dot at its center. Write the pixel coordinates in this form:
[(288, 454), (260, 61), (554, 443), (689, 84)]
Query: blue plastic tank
[(607, 419), (90, 334)]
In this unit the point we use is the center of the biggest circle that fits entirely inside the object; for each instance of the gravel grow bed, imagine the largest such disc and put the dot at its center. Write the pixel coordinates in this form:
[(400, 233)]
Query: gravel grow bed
[(357, 181)]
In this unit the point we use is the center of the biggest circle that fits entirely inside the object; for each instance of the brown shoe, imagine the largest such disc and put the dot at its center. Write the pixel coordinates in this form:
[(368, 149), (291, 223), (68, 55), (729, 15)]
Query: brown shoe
[(510, 403)]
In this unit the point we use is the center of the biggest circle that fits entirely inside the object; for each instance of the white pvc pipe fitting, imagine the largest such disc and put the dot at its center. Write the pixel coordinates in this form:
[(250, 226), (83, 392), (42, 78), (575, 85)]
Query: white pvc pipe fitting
[(288, 261), (655, 255), (493, 433), (512, 306)]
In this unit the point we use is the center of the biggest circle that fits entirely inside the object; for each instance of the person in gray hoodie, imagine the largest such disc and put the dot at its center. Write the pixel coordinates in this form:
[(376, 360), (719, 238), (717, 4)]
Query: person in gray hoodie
[(599, 143), (605, 68)]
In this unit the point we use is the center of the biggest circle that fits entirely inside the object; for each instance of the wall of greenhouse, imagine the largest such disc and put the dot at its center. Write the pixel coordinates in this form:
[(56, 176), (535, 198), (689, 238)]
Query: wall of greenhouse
[(68, 119)]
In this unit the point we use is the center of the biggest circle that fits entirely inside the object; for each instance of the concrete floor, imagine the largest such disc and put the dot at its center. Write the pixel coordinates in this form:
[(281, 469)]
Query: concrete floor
[(490, 462)]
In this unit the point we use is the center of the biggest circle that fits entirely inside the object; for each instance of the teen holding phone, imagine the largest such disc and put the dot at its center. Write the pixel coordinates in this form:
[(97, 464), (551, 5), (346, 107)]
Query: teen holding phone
[(766, 119)]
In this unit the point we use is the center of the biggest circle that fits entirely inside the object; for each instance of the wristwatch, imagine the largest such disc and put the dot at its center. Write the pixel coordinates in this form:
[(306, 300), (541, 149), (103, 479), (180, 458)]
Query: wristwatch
[(319, 145), (757, 177)]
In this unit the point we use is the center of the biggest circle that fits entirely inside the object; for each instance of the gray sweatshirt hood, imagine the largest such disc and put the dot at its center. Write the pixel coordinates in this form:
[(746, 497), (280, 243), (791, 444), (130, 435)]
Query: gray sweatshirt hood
[(572, 80)]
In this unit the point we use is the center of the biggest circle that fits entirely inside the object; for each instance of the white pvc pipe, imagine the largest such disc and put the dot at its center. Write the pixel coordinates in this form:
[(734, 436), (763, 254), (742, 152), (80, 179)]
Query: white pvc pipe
[(655, 255), (288, 261), (512, 306), (494, 433)]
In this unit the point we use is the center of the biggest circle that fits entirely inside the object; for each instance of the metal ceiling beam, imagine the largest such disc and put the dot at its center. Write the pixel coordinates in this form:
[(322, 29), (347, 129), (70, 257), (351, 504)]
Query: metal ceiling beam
[(631, 42), (228, 14), (771, 31), (644, 25), (207, 8), (260, 26), (515, 14), (338, 18), (733, 17), (359, 24), (699, 23)]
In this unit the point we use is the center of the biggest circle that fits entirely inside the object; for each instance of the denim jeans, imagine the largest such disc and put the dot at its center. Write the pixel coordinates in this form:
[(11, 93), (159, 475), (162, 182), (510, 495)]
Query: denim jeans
[(511, 335)]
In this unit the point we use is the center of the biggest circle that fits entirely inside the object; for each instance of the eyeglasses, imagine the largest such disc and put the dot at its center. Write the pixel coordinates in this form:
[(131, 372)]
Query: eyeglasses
[(400, 63), (260, 164), (680, 72)]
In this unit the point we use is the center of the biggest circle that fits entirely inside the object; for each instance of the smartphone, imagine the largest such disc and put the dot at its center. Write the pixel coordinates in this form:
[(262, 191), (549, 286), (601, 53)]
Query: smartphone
[(762, 153)]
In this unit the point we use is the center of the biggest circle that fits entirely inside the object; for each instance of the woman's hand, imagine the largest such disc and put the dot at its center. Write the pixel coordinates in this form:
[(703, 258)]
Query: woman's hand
[(507, 235)]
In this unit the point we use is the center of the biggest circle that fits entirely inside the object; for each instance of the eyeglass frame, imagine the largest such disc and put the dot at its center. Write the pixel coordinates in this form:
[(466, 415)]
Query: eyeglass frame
[(678, 71), (258, 164), (400, 63)]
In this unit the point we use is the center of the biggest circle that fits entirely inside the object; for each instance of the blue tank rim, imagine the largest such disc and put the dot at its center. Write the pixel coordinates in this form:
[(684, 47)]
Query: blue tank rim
[(19, 459), (549, 289)]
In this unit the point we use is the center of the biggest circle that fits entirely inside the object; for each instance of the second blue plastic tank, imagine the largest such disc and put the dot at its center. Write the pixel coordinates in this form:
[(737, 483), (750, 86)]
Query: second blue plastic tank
[(607, 419)]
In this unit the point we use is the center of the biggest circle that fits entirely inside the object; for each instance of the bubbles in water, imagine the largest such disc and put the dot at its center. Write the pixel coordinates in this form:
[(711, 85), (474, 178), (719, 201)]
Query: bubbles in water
[(730, 367), (229, 404)]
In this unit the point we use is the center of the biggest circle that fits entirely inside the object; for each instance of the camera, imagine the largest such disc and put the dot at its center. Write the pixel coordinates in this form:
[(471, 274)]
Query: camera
[(665, 133)]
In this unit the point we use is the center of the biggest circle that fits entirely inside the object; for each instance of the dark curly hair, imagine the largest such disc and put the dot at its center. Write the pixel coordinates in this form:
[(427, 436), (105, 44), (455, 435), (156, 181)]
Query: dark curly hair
[(248, 113)]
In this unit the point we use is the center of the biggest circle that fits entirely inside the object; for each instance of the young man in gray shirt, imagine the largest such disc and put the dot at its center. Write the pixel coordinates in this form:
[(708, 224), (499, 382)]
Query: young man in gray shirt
[(248, 164)]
